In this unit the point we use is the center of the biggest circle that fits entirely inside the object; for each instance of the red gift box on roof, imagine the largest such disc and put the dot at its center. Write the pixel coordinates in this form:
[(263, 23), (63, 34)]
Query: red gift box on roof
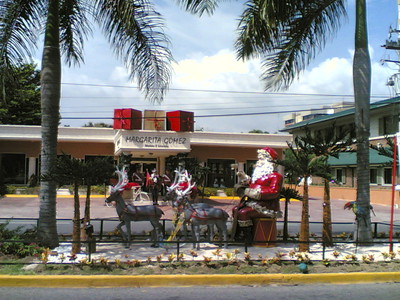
[(128, 119), (180, 120)]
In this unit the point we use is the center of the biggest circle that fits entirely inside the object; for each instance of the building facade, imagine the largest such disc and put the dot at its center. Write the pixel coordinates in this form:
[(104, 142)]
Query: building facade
[(223, 153), (384, 123)]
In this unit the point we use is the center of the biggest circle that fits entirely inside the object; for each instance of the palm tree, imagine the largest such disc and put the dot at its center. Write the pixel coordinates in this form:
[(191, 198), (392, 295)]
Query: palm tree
[(97, 171), (287, 35), (134, 30), (69, 170), (326, 143), (288, 193), (299, 159)]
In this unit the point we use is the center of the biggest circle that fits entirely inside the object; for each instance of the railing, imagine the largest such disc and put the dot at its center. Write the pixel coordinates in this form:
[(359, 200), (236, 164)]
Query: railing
[(100, 235), (179, 244), (100, 225)]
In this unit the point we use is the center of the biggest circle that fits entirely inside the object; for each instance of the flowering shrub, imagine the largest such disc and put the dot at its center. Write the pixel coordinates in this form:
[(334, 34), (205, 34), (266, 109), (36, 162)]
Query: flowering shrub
[(12, 242)]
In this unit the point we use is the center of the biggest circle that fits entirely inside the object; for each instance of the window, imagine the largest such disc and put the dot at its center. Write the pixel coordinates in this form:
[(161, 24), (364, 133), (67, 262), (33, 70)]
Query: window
[(340, 175), (387, 176), (386, 125), (94, 157), (13, 168), (289, 122), (221, 173), (249, 167), (373, 176)]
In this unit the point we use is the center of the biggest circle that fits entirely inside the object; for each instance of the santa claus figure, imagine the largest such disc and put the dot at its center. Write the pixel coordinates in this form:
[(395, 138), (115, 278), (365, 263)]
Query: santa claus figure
[(261, 197)]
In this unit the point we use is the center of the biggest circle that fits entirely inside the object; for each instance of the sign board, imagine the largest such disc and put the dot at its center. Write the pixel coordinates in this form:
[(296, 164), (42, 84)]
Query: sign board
[(129, 140)]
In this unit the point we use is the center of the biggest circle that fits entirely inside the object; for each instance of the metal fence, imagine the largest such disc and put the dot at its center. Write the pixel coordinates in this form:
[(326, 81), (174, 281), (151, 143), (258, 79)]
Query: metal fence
[(103, 228)]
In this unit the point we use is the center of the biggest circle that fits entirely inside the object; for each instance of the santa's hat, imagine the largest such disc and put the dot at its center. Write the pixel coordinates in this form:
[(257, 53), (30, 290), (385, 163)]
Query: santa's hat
[(269, 151)]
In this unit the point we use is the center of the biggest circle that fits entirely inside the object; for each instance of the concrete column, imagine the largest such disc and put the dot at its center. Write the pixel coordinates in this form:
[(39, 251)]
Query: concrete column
[(161, 162), (241, 167), (31, 167)]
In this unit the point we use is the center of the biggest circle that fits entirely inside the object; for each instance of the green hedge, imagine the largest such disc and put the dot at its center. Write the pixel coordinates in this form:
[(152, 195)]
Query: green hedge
[(211, 191), (12, 189), (24, 190)]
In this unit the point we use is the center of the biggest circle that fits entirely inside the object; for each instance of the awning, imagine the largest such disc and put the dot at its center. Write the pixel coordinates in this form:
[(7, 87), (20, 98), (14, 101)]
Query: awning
[(350, 159)]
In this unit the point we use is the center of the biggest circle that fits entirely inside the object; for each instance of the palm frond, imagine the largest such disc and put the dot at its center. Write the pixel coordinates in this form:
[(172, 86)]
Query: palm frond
[(19, 27), (199, 7), (289, 193), (135, 32), (286, 35), (260, 26), (385, 151), (74, 28)]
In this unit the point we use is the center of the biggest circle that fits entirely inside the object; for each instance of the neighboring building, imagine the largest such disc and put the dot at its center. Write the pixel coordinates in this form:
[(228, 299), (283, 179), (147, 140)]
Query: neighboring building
[(384, 122), (224, 153), (304, 116)]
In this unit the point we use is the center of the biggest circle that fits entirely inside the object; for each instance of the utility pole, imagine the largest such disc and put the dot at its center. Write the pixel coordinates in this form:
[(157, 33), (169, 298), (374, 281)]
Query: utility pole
[(394, 80)]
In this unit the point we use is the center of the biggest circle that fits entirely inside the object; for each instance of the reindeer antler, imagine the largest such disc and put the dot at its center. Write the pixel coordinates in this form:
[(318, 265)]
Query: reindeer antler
[(176, 181), (122, 180)]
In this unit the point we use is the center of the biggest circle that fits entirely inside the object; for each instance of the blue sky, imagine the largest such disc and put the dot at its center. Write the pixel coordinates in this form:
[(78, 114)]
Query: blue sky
[(205, 60)]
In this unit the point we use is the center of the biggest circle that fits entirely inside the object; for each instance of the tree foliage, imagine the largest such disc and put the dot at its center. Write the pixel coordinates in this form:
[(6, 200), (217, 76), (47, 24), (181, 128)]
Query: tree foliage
[(20, 100), (74, 171), (191, 164), (135, 32), (301, 161), (98, 125), (257, 131), (387, 151)]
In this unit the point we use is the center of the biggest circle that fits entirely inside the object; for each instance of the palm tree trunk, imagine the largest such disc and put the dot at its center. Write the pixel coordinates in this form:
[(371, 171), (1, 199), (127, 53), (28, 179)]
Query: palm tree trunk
[(76, 233), (362, 91), (285, 220), (50, 106), (87, 204), (305, 221), (327, 217)]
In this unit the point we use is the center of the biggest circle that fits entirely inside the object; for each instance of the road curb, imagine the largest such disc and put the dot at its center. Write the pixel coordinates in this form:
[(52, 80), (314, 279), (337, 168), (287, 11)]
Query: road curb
[(106, 281)]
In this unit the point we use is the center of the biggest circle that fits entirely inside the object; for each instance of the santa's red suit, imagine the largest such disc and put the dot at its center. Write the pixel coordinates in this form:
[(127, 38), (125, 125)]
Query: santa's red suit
[(261, 198), (266, 189)]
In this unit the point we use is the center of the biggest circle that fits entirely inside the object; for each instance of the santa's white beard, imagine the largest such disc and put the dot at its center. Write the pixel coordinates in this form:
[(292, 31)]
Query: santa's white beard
[(262, 170)]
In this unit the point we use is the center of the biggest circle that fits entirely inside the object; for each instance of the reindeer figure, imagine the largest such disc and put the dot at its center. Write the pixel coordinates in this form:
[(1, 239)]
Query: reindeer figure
[(180, 201), (198, 216), (181, 181), (128, 213)]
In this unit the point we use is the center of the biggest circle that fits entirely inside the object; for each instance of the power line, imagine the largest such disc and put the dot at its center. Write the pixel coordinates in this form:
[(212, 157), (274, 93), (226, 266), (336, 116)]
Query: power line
[(205, 116), (214, 104), (219, 106), (217, 91)]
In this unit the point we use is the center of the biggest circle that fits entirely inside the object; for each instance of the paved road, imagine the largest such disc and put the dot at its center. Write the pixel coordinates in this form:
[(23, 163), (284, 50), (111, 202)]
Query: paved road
[(389, 291), (28, 207)]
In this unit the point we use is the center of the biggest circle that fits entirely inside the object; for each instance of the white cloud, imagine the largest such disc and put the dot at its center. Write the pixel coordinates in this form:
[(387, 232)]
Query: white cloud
[(221, 71), (332, 76)]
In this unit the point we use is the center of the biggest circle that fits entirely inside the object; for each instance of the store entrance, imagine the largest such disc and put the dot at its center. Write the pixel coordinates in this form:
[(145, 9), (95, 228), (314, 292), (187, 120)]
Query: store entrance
[(148, 167), (221, 173), (143, 165)]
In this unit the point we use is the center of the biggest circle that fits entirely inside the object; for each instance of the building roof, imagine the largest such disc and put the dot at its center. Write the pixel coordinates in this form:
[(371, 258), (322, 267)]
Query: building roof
[(107, 135), (350, 159), (343, 113)]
